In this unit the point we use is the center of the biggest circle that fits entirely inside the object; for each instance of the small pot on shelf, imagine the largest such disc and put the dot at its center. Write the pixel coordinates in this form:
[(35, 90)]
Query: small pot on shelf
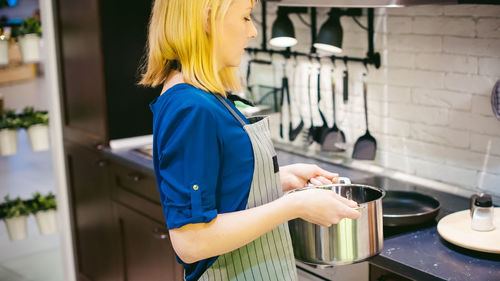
[(46, 221), (8, 142), (39, 137), (4, 50), (30, 47), (16, 228)]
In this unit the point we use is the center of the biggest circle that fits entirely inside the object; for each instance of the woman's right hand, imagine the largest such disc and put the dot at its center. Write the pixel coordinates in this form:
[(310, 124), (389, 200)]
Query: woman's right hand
[(323, 207)]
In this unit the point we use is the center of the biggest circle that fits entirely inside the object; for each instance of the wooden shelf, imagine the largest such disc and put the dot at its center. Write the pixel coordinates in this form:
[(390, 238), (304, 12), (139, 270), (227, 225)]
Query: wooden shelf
[(16, 70)]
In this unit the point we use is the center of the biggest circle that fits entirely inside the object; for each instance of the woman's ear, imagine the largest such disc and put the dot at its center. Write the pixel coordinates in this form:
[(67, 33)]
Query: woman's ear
[(206, 19)]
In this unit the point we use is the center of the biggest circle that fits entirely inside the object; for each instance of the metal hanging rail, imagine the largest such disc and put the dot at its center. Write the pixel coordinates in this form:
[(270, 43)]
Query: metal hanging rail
[(372, 58)]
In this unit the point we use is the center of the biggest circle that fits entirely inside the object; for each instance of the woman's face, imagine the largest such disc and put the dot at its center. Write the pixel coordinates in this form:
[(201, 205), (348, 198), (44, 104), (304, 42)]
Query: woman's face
[(237, 30)]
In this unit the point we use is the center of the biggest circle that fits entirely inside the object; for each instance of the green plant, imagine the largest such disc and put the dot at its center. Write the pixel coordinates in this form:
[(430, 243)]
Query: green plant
[(30, 25), (42, 202), (12, 208), (10, 120), (30, 117)]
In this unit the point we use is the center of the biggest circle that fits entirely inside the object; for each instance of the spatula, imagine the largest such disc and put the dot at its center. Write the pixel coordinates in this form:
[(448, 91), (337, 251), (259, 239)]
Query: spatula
[(320, 132), (335, 136), (308, 136), (366, 145)]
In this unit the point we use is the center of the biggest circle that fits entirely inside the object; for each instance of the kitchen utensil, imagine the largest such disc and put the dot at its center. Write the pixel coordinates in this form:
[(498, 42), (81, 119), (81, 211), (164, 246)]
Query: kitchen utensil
[(481, 212), (456, 229), (347, 242), (320, 132), (292, 132), (495, 99), (403, 208), (284, 84), (308, 137), (345, 85), (334, 136), (366, 145)]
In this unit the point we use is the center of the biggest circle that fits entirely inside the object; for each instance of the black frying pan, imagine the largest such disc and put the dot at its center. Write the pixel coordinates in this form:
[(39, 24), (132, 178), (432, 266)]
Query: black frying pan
[(403, 208)]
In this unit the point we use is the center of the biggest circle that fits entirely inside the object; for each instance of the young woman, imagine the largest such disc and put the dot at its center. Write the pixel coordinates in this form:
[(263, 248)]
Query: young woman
[(220, 186)]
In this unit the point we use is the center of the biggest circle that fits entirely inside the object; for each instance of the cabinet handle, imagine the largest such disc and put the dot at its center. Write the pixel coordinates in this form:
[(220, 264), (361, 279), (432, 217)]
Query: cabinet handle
[(134, 177), (158, 233), (102, 163), (99, 146)]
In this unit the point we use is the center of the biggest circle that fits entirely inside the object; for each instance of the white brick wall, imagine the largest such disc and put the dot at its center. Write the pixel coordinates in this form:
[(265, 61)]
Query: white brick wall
[(429, 103)]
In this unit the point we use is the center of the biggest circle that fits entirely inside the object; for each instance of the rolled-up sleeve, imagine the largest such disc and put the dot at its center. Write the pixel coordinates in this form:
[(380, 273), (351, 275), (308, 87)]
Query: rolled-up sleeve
[(189, 163)]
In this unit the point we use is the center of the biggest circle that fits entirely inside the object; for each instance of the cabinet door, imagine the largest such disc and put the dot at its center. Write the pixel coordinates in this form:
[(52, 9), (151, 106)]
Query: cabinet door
[(82, 75), (146, 250), (91, 213)]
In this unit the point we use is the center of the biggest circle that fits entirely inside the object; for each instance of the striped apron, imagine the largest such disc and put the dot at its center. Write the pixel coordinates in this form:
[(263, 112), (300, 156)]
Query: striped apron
[(269, 257)]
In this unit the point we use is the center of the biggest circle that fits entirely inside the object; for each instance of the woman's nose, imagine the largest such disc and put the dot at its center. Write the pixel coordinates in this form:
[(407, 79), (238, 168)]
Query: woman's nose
[(253, 31)]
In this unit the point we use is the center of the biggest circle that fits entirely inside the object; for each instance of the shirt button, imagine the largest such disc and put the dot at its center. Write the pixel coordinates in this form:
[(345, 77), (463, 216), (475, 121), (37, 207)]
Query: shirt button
[(195, 187)]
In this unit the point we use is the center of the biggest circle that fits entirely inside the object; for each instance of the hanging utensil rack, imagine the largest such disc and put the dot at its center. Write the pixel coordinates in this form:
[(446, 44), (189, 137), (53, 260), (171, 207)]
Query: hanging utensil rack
[(372, 57)]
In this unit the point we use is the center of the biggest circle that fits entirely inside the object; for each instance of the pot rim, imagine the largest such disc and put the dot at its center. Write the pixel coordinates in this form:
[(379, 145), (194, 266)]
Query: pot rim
[(381, 190)]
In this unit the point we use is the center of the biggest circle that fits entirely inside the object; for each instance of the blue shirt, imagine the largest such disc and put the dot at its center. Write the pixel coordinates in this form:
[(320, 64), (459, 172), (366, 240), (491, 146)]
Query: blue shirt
[(203, 160)]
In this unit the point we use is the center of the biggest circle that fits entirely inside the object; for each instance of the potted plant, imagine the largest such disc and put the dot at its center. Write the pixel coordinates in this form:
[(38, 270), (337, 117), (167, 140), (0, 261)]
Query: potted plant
[(9, 124), (14, 213), (44, 209), (36, 124), (29, 39), (4, 49)]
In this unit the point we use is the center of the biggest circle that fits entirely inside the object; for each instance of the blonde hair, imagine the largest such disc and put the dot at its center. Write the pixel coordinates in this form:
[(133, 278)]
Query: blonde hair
[(177, 35)]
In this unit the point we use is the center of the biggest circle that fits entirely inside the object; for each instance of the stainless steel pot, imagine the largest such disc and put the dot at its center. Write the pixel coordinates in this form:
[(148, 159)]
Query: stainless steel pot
[(347, 242)]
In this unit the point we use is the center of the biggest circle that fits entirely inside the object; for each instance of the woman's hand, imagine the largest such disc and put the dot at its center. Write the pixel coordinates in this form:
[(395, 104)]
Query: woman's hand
[(298, 175), (322, 206)]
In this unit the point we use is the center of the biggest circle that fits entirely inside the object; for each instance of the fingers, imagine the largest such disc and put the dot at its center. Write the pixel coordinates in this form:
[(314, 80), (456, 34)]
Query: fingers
[(317, 181), (320, 180), (347, 210), (329, 175), (349, 203)]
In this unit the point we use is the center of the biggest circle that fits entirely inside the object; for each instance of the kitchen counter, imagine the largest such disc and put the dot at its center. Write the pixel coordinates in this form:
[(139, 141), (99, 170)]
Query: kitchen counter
[(414, 252)]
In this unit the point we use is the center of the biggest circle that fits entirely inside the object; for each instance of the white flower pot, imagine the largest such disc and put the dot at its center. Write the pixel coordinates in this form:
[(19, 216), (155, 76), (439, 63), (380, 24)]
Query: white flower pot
[(39, 137), (16, 227), (4, 52), (30, 47), (46, 221), (8, 142)]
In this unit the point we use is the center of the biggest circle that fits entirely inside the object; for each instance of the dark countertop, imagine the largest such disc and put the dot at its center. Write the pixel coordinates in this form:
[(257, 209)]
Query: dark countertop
[(415, 252)]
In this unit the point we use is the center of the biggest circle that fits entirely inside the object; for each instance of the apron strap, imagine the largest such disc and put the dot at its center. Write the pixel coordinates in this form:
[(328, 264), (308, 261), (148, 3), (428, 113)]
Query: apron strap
[(231, 110)]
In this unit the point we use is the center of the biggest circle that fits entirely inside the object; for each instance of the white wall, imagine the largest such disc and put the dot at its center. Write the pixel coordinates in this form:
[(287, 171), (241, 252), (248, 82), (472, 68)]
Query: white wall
[(429, 103)]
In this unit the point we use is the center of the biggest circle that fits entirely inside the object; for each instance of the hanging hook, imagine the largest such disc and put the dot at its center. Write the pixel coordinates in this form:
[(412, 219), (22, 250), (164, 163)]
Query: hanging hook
[(332, 58), (365, 63), (319, 62), (284, 67)]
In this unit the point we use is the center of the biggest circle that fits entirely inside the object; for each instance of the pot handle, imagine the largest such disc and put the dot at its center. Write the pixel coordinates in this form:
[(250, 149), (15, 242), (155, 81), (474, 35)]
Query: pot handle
[(344, 180)]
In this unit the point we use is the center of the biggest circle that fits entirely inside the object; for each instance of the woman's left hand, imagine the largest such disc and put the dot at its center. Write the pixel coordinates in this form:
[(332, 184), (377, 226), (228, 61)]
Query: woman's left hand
[(298, 175)]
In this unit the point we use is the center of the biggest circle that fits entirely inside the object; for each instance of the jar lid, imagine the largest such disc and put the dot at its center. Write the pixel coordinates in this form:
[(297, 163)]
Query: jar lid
[(484, 201)]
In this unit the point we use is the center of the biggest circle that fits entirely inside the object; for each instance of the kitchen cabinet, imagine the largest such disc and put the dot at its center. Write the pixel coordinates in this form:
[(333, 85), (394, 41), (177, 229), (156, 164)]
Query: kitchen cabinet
[(141, 235), (146, 252), (101, 44), (91, 213), (119, 232)]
